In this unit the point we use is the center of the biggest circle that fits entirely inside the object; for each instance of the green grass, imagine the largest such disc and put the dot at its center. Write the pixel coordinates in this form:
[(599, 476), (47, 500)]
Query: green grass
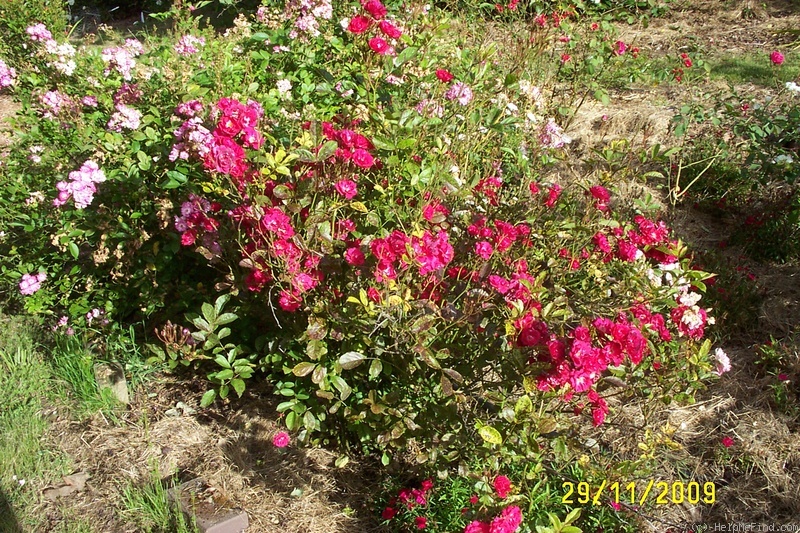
[(30, 382), (150, 508), (73, 364), (755, 69), (24, 377)]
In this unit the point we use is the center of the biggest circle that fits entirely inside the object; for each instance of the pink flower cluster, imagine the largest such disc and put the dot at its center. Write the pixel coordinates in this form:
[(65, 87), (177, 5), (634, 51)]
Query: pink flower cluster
[(430, 253), (271, 231), (195, 220), (410, 498), (552, 135), (236, 128), (124, 118), (122, 58), (353, 147), (57, 104), (39, 32), (7, 75), (508, 521), (64, 53), (461, 92), (81, 187), (31, 283), (193, 139), (306, 15), (361, 23), (189, 45)]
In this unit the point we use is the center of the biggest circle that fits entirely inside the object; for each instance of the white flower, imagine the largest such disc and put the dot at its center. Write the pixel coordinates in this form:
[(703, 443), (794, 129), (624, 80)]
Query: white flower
[(792, 86), (689, 299), (284, 88), (723, 363), (783, 159)]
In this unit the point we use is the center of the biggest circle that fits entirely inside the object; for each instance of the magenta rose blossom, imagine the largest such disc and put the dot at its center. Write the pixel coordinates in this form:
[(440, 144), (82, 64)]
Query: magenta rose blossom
[(390, 30), (484, 250), (444, 75), (381, 47), (359, 24), (354, 256), (362, 158), (375, 8), (776, 58), (502, 486), (281, 439), (225, 157), (347, 188)]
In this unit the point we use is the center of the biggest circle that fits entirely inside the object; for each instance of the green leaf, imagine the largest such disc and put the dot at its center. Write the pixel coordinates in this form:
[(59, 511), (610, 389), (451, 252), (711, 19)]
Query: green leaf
[(490, 435), (220, 303), (375, 368), (341, 462), (238, 386), (303, 369), (73, 250), (350, 360), (222, 361), (572, 516), (316, 349), (408, 53), (326, 150), (522, 407), (385, 459), (225, 318), (342, 386), (224, 374), (208, 313), (208, 397)]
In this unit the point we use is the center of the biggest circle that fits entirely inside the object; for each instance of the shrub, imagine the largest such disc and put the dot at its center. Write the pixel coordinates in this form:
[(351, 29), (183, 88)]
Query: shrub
[(369, 211), (16, 16)]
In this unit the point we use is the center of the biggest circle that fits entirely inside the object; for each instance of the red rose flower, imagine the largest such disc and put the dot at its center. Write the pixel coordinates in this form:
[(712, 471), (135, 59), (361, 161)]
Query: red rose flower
[(359, 24), (444, 75), (390, 30), (381, 47), (375, 8), (362, 158)]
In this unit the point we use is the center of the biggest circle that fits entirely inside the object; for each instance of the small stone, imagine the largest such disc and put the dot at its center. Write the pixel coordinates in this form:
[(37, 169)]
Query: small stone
[(211, 511), (112, 376)]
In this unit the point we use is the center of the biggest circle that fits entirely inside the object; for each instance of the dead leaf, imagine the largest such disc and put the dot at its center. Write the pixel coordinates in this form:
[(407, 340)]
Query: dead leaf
[(72, 483)]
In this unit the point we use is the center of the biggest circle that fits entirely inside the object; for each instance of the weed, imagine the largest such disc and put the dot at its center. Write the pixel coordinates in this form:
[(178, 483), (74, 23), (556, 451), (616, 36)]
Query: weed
[(151, 508), (73, 364)]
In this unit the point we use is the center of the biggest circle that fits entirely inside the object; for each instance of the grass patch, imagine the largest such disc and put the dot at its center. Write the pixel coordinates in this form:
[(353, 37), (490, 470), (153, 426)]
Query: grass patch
[(74, 364), (151, 509), (755, 69), (24, 463)]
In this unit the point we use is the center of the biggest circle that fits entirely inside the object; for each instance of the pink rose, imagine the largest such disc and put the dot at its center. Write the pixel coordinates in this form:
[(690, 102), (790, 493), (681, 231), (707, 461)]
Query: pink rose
[(776, 58), (381, 47), (390, 30), (281, 439), (347, 188), (375, 8), (362, 158), (359, 24)]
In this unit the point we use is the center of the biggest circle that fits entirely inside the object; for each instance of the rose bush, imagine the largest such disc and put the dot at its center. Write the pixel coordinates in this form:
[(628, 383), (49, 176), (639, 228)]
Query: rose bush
[(367, 213)]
